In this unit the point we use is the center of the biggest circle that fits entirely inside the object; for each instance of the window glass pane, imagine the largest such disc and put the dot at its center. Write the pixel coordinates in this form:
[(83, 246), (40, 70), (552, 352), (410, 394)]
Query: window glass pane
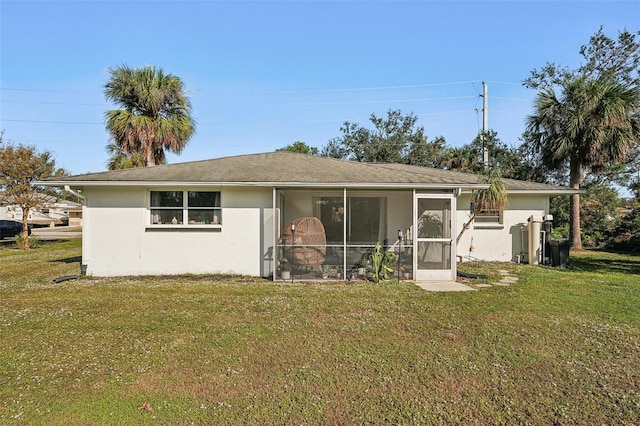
[(204, 216), (489, 216), (166, 198), (204, 199), (166, 216)]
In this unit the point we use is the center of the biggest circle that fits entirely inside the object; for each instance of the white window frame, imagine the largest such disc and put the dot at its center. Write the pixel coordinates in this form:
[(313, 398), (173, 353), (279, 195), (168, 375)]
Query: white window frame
[(216, 211), (489, 219)]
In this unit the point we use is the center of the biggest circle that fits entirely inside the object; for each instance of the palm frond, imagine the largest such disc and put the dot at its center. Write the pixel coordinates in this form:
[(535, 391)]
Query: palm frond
[(155, 113)]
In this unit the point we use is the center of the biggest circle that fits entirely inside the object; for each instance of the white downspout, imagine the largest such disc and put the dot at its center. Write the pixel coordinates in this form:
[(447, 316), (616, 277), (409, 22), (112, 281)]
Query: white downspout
[(71, 191)]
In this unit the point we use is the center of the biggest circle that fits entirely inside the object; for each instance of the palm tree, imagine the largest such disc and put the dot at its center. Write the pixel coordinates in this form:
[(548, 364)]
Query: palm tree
[(155, 114), (593, 123), (492, 198), (118, 159)]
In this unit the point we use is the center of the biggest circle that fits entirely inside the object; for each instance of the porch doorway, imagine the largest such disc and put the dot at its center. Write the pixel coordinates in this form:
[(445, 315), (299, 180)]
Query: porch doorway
[(434, 246)]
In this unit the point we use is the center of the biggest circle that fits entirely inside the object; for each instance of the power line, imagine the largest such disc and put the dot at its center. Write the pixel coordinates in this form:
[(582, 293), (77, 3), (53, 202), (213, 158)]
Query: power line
[(511, 99), (355, 89), (504, 82), (330, 120), (48, 103), (375, 101), (46, 121), (345, 89), (18, 89), (368, 102)]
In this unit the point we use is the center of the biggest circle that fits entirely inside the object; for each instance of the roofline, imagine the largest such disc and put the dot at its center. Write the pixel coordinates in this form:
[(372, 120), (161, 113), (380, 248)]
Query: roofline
[(76, 184), (465, 186), (568, 191)]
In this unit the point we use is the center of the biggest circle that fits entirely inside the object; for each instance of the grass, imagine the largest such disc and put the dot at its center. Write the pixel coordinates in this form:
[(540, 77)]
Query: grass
[(558, 347)]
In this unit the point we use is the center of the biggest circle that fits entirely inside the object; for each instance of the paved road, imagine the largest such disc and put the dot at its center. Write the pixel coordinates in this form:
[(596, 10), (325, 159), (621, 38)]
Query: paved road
[(57, 233)]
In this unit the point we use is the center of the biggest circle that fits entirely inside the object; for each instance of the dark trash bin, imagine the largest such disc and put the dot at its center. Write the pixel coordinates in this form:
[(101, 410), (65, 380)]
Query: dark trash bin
[(560, 253)]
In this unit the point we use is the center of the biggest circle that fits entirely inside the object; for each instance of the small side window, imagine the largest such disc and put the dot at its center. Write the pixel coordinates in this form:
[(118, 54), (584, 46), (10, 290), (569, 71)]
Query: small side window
[(185, 208), (489, 216)]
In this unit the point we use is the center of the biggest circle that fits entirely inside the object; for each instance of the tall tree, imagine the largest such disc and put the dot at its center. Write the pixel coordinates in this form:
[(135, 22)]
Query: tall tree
[(590, 124), (300, 147), (461, 159), (20, 166), (155, 113), (395, 138), (618, 59)]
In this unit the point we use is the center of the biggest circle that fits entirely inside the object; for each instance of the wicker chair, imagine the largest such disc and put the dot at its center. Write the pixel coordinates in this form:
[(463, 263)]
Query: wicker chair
[(307, 245)]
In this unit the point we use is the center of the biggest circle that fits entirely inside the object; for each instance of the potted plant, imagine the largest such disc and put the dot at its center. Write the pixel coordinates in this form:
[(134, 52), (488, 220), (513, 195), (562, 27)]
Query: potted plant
[(362, 265), (284, 269), (406, 272)]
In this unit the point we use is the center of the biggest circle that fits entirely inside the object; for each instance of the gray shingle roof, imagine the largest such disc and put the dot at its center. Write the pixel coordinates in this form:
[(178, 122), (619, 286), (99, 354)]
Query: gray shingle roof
[(287, 168)]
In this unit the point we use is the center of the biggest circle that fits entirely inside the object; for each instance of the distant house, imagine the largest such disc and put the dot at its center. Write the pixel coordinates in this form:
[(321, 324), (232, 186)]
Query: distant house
[(50, 212), (246, 214)]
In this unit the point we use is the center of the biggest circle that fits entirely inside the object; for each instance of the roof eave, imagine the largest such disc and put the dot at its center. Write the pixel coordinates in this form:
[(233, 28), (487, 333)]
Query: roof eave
[(546, 191), (393, 185)]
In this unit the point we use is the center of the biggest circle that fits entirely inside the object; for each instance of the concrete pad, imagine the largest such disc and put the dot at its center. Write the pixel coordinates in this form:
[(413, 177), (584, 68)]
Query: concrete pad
[(443, 286)]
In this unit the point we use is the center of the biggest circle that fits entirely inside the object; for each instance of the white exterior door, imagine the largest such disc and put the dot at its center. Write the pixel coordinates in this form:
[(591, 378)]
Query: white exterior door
[(434, 246)]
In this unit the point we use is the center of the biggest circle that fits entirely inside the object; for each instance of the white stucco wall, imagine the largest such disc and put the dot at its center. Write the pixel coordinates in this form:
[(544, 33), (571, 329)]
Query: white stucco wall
[(499, 242), (117, 238)]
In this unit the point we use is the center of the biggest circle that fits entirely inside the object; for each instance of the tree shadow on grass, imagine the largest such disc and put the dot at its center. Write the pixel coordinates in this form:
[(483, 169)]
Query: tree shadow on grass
[(626, 264)]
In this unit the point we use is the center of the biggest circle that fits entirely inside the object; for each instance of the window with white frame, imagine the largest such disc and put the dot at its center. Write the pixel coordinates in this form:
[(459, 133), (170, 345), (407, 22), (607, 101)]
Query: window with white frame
[(185, 208), (488, 216)]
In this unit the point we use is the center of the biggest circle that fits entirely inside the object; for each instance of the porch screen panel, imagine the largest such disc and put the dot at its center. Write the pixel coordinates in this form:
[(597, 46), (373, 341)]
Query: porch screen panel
[(365, 216), (330, 211), (434, 234), (434, 255), (434, 220)]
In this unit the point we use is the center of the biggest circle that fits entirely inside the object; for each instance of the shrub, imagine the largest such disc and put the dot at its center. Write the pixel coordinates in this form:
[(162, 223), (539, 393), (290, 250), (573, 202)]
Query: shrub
[(34, 241), (627, 232)]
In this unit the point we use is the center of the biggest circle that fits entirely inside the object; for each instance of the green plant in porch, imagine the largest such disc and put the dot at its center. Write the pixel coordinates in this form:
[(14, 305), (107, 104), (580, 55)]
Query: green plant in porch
[(382, 263)]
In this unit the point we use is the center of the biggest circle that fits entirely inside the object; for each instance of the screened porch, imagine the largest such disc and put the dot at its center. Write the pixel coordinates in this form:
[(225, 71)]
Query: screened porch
[(330, 234)]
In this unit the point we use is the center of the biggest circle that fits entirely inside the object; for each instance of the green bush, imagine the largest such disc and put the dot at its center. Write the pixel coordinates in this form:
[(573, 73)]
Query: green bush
[(34, 241), (627, 232)]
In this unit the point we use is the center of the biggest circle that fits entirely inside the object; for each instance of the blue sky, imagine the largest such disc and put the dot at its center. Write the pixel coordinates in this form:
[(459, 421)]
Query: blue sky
[(262, 75)]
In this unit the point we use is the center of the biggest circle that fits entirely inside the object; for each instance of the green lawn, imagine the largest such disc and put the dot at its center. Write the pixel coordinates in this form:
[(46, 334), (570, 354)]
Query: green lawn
[(558, 347)]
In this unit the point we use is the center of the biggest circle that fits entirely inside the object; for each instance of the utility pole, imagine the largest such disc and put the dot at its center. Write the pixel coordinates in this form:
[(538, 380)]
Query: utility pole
[(485, 125)]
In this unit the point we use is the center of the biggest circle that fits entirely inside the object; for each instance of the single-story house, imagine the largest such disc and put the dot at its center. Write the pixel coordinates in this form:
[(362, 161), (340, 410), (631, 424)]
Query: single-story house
[(246, 214)]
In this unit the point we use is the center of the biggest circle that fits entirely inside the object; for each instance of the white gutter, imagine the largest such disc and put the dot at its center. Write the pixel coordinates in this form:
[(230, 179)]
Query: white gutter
[(324, 185)]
